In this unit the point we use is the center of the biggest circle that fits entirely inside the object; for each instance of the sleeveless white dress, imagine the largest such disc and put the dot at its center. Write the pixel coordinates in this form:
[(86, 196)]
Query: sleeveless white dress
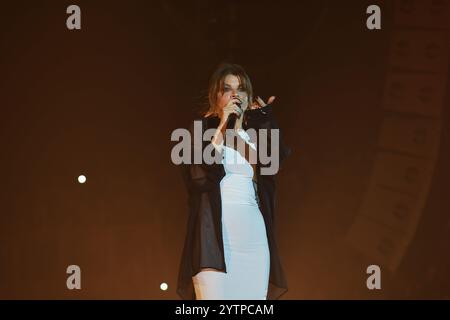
[(247, 256)]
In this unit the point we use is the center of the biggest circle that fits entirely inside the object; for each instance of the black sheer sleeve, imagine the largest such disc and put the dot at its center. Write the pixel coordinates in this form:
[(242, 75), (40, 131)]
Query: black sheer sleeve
[(202, 177), (263, 118)]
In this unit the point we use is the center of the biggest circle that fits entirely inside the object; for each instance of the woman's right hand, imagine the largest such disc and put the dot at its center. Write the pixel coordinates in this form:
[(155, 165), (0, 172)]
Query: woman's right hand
[(224, 114), (230, 108)]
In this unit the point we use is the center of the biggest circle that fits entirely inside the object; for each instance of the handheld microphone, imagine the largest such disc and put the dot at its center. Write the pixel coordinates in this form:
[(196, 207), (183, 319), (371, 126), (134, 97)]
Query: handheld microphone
[(233, 117)]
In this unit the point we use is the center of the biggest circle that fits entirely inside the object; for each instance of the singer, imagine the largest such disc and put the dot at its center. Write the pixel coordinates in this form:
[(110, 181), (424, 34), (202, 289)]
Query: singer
[(230, 250)]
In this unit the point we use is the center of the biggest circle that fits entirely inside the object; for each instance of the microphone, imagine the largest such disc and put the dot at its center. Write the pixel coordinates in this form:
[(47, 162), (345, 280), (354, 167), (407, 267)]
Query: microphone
[(233, 117)]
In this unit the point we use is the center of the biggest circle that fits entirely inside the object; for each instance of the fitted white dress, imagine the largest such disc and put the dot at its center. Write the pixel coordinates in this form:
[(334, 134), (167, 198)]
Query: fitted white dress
[(247, 256)]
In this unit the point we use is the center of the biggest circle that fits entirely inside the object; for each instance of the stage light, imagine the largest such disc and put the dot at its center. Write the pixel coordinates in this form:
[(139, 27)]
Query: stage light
[(81, 179), (164, 286)]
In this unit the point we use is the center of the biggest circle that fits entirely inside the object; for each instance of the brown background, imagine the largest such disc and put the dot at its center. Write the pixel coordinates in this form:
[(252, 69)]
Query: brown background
[(103, 101)]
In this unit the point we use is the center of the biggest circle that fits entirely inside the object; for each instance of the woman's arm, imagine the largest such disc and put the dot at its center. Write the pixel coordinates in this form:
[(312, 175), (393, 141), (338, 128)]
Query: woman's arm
[(263, 118)]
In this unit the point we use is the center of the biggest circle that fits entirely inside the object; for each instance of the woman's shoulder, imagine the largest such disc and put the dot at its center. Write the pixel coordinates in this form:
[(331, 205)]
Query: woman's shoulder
[(210, 120), (207, 121)]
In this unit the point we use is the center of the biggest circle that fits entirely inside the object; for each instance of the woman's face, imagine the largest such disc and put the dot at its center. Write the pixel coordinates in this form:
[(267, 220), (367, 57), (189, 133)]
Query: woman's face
[(232, 88)]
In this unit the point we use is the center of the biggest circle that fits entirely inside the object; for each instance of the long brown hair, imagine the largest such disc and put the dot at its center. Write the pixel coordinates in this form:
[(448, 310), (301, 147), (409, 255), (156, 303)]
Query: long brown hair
[(216, 84)]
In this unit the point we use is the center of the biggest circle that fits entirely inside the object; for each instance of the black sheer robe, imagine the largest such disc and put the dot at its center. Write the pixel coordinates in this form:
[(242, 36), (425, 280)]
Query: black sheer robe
[(203, 247)]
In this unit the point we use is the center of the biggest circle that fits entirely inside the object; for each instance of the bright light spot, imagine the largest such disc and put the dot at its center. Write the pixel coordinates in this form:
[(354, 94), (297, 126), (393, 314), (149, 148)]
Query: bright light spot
[(164, 286), (81, 179)]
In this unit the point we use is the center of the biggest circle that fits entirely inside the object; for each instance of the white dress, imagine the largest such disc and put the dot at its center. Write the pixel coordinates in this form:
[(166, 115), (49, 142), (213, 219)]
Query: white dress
[(247, 256)]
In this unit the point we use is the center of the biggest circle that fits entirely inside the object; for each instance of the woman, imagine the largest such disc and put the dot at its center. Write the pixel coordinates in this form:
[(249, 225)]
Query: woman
[(230, 250)]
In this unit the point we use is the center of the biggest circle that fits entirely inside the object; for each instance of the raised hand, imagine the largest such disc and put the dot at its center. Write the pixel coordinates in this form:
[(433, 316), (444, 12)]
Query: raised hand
[(259, 103)]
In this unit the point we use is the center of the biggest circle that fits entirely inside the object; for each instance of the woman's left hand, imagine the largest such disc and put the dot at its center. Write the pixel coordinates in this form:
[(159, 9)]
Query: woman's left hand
[(259, 103)]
